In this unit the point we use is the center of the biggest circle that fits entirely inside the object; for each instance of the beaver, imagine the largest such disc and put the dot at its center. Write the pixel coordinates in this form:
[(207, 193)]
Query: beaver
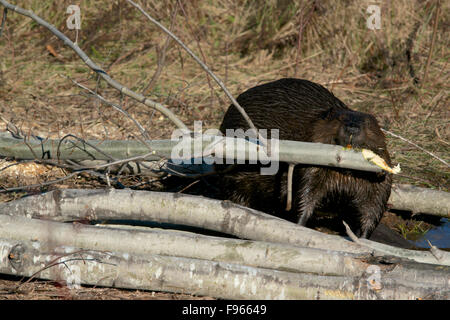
[(306, 111)]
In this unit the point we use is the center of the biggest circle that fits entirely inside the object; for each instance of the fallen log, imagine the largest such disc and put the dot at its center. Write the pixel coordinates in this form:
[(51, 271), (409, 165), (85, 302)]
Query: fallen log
[(174, 274), (194, 211), (221, 216), (186, 244), (420, 200), (40, 258), (183, 149), (256, 254)]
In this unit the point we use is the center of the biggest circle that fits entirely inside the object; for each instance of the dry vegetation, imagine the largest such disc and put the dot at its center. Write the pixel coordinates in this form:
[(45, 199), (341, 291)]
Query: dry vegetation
[(245, 42)]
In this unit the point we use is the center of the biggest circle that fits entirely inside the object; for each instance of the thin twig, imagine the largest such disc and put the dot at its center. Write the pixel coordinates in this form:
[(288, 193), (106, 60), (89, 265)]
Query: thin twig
[(115, 106), (31, 149), (78, 171), (55, 262), (289, 186), (16, 164), (5, 12), (84, 142), (161, 55), (439, 99), (109, 164), (433, 40), (39, 185), (96, 68), (199, 49), (418, 147), (188, 186), (204, 66)]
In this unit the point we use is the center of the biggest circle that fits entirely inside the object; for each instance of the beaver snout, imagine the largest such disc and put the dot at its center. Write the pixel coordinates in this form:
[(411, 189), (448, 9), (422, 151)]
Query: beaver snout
[(352, 130), (351, 134)]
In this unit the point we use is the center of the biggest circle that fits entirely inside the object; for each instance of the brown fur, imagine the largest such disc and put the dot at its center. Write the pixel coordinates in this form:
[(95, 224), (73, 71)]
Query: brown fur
[(305, 111)]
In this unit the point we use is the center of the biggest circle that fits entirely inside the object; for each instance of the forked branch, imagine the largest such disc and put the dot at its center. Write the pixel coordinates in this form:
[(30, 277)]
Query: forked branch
[(96, 68)]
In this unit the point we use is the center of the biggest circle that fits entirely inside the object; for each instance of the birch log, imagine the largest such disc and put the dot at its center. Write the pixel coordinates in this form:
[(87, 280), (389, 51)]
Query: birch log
[(186, 244), (183, 150), (178, 275), (221, 216), (41, 258), (257, 254), (420, 200), (188, 210), (403, 197)]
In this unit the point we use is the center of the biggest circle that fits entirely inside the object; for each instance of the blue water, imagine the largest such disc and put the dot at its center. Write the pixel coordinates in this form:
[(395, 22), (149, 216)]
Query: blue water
[(438, 236)]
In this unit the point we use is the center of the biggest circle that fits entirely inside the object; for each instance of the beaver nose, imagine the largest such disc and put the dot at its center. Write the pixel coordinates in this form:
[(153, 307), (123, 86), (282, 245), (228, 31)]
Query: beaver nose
[(352, 130)]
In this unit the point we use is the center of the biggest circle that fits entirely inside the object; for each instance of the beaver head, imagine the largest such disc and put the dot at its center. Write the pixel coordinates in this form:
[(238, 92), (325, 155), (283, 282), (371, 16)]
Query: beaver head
[(350, 128)]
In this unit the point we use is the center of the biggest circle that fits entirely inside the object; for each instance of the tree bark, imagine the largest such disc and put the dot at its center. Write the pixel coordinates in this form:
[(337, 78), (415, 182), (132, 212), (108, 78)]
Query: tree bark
[(195, 211), (420, 200), (185, 244), (199, 277), (184, 150)]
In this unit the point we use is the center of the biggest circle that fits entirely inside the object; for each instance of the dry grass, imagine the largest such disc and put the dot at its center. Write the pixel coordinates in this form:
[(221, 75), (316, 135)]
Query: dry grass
[(245, 42)]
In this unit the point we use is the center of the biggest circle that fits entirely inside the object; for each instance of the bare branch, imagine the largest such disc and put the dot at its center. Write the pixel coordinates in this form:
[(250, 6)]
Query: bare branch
[(161, 56), (418, 147), (96, 68), (230, 148), (204, 66), (39, 185), (115, 106)]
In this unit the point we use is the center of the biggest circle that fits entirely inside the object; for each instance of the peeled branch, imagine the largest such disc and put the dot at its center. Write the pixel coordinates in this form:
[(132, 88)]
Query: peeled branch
[(369, 155)]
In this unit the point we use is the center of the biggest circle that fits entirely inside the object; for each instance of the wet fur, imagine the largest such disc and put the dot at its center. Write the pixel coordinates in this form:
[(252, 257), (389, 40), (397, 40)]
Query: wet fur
[(305, 111)]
